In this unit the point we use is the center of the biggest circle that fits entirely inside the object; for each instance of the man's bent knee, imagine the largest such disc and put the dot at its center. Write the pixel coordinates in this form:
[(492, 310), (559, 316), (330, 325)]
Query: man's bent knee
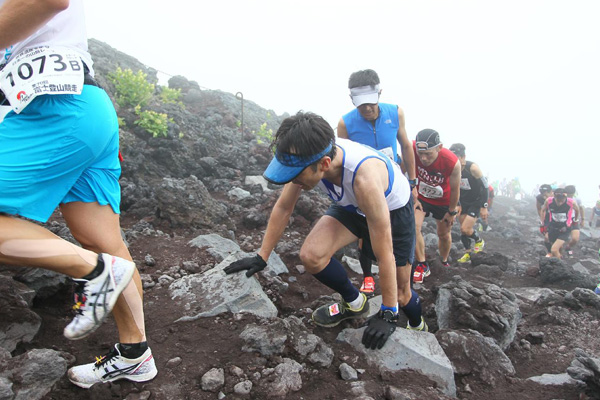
[(313, 262)]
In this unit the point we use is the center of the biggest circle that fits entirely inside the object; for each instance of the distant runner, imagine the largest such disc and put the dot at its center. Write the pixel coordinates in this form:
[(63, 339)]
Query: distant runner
[(484, 225), (438, 174), (473, 202), (381, 126), (580, 222), (595, 215), (558, 214), (372, 201)]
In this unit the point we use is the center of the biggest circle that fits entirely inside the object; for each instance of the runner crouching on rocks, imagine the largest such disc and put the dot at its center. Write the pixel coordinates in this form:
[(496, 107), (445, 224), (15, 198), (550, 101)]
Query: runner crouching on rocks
[(372, 201)]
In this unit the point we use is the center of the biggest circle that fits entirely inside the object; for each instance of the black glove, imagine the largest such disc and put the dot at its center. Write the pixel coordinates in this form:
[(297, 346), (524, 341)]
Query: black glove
[(379, 328), (252, 264)]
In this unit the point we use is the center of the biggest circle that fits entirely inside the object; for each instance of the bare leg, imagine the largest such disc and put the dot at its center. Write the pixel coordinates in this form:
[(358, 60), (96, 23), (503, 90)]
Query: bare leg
[(466, 224), (404, 276), (420, 243), (556, 246), (574, 239), (327, 237), (445, 242), (97, 228), (27, 244)]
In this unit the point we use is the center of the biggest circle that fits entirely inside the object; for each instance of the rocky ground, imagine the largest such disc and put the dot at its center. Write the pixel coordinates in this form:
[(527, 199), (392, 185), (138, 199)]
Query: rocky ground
[(192, 203)]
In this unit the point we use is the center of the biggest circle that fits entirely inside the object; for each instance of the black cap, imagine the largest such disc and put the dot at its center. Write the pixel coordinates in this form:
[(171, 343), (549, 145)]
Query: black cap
[(570, 189), (458, 149), (545, 188), (427, 139)]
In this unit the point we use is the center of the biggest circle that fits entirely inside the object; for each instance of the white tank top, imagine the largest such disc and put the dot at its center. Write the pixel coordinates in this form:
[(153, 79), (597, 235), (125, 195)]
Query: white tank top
[(67, 28), (398, 191)]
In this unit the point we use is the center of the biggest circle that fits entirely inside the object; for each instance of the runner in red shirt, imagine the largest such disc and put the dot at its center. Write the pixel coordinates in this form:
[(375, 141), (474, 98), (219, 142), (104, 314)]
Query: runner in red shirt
[(438, 173)]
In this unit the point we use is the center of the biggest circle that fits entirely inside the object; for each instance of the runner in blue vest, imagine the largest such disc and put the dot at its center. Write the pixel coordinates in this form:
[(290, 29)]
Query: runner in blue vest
[(59, 144), (381, 126)]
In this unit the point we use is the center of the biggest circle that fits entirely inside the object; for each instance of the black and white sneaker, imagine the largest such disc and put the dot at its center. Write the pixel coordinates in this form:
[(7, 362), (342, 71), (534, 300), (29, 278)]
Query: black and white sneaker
[(95, 299), (331, 315), (113, 366)]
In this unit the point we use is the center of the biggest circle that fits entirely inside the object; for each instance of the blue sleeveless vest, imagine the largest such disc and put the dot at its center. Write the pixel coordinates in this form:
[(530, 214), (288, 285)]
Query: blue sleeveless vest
[(382, 136)]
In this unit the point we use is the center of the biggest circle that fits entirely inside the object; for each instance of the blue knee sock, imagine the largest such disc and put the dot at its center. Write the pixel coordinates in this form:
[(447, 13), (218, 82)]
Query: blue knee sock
[(412, 310), (335, 277)]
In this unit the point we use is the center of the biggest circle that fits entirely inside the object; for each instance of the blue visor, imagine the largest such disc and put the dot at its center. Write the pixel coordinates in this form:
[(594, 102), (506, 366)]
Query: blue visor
[(284, 167)]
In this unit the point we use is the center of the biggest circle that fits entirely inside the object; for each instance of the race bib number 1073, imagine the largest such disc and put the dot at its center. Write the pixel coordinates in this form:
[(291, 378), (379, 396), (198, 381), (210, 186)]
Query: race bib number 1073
[(41, 70)]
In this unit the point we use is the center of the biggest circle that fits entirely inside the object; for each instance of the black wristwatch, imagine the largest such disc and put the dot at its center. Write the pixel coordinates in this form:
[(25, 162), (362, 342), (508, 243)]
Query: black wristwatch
[(389, 316), (452, 213)]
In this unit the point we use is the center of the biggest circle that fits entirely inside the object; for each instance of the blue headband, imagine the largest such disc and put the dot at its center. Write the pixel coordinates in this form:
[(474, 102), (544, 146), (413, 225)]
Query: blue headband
[(284, 167)]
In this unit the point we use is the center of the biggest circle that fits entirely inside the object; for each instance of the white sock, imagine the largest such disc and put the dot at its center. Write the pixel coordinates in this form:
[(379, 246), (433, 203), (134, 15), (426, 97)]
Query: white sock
[(357, 303)]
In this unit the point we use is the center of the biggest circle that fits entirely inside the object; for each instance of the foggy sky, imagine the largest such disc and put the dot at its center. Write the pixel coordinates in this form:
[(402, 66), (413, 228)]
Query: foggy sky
[(515, 81)]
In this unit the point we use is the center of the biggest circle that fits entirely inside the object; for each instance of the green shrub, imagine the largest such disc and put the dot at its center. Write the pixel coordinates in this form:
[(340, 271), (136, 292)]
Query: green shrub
[(168, 95), (264, 133), (132, 89), (155, 123)]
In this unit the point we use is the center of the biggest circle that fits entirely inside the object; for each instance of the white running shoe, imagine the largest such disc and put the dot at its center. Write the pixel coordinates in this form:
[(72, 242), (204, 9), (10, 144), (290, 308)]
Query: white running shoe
[(113, 366), (95, 299)]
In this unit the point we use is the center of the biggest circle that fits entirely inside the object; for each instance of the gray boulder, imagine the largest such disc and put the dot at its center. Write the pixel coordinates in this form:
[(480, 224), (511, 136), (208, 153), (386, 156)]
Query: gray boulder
[(286, 379), (18, 324), (290, 333), (187, 203), (489, 309), (213, 292), (473, 354), (32, 375), (220, 248), (405, 349), (587, 369), (556, 271)]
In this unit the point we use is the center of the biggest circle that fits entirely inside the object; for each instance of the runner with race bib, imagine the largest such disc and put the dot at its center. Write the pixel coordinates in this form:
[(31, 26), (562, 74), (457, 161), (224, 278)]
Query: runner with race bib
[(59, 146), (439, 176)]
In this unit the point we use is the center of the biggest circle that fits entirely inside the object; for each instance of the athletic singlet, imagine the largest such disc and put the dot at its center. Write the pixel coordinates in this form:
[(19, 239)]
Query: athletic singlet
[(540, 199), (67, 29), (470, 187), (434, 180), (381, 136), (354, 154), (560, 216)]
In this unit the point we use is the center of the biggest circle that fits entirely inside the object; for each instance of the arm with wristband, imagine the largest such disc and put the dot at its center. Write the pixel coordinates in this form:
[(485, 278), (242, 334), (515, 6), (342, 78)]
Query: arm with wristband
[(483, 190), (454, 194), (371, 200)]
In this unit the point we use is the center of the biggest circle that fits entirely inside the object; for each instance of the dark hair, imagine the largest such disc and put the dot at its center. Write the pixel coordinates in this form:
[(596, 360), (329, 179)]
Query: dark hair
[(304, 135), (560, 192), (545, 188), (570, 189), (365, 77)]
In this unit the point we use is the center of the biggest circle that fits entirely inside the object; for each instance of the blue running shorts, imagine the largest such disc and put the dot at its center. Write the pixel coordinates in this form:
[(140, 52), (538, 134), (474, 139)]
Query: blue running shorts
[(60, 149)]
